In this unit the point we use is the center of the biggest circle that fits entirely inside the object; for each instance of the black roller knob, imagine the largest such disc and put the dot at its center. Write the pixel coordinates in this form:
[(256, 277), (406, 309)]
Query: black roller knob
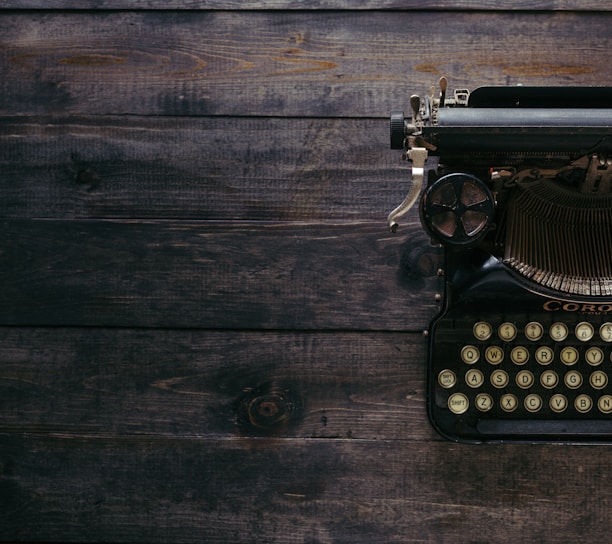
[(397, 130), (457, 209)]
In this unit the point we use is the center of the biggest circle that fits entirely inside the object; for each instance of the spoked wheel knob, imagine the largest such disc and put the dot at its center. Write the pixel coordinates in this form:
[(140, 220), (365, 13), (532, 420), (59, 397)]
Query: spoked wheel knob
[(457, 209)]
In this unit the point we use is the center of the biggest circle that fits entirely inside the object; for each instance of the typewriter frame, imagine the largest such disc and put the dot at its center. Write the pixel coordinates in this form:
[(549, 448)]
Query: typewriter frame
[(472, 134)]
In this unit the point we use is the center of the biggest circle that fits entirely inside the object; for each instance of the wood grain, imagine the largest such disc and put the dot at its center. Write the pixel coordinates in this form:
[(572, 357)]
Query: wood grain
[(330, 64), (200, 168), (180, 384), (353, 276), (145, 489), (464, 5)]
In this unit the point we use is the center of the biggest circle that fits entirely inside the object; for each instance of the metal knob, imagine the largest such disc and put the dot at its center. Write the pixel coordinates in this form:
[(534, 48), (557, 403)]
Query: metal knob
[(457, 209), (398, 130)]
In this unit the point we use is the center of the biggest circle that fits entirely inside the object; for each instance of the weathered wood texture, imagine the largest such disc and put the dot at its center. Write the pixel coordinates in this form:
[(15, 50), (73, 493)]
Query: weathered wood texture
[(270, 169), (327, 491), (464, 5), (282, 63), (179, 274), (207, 334), (202, 384)]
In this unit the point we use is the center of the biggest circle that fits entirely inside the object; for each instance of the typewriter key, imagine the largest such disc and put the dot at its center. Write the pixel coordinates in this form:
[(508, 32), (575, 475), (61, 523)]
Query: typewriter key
[(507, 332), (484, 402), (534, 331), (544, 355), (598, 379), (482, 330), (605, 404), (558, 332), (533, 402), (549, 379), (594, 356), (583, 403), (605, 332), (584, 331), (458, 403), (447, 379)]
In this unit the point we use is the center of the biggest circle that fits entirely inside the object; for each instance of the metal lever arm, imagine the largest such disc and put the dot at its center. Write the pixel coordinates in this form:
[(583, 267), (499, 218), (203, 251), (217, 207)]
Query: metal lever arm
[(418, 156)]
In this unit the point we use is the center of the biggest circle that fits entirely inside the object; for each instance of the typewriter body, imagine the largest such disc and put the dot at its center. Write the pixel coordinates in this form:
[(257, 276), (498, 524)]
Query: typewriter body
[(521, 201)]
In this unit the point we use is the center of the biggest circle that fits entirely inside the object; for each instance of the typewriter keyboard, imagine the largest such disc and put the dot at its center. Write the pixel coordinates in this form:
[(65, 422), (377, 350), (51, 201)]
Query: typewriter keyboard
[(528, 370)]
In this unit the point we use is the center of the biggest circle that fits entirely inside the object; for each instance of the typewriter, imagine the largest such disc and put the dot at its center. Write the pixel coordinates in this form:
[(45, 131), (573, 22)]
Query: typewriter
[(516, 184)]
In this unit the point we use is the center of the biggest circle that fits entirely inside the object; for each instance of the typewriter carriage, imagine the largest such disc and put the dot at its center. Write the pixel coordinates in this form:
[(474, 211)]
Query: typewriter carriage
[(524, 173)]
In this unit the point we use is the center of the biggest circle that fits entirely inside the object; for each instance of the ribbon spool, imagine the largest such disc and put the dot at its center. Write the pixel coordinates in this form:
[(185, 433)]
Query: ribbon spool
[(457, 209)]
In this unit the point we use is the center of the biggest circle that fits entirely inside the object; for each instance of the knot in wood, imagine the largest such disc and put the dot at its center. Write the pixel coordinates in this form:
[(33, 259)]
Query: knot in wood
[(268, 409), (87, 178)]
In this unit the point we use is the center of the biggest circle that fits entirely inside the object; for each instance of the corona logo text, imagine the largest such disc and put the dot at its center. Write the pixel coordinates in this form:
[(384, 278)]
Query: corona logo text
[(581, 307)]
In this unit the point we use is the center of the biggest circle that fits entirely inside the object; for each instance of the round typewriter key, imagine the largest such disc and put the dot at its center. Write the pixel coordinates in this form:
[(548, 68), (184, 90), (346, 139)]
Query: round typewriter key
[(484, 402), (573, 379), (474, 378), (569, 356), (598, 379), (507, 332), (519, 355), (524, 379), (534, 331), (605, 332), (494, 355), (508, 402), (482, 330), (594, 356), (605, 404), (458, 403), (470, 354), (584, 331), (499, 379), (533, 403), (544, 355), (583, 403), (558, 403), (447, 379), (549, 379), (558, 332)]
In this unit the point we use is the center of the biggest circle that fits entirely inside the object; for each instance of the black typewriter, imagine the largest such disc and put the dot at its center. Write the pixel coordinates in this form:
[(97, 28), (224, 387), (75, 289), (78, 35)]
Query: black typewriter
[(520, 198)]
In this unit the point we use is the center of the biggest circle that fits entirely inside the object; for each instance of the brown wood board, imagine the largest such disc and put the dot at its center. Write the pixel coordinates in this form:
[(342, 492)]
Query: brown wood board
[(271, 169), (369, 5), (215, 384), (292, 275), (335, 64), (148, 489)]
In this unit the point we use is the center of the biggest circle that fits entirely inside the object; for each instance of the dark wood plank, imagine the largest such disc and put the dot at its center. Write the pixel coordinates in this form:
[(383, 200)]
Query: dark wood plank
[(71, 488), (237, 275), (594, 5), (181, 384), (199, 168), (312, 63)]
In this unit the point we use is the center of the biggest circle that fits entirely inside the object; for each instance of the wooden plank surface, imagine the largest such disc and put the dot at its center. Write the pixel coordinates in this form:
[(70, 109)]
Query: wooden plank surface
[(271, 169), (352, 276), (322, 64), (212, 384), (464, 5), (148, 489)]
